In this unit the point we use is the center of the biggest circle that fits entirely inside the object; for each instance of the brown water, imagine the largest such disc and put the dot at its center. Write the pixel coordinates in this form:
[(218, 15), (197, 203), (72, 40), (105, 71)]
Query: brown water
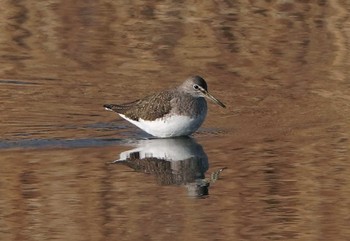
[(281, 67)]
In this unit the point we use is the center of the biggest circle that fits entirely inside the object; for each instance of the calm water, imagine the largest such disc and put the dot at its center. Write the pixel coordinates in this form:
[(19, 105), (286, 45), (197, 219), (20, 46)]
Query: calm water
[(274, 165)]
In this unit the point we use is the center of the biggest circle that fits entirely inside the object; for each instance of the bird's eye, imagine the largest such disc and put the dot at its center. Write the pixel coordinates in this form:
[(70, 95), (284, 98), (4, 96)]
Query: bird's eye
[(196, 87)]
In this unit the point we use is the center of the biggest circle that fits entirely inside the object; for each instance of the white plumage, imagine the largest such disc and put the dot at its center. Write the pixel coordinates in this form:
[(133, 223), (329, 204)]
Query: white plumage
[(175, 125)]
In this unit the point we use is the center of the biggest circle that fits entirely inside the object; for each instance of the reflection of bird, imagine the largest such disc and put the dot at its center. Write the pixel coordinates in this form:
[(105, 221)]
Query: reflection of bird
[(172, 161), (184, 172), (174, 112)]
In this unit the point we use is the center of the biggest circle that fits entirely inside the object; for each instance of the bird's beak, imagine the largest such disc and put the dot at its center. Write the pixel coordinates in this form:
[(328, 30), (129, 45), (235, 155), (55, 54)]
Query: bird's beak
[(212, 98)]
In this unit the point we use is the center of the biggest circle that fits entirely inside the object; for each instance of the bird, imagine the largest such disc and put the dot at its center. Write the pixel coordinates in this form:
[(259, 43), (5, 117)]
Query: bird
[(178, 111)]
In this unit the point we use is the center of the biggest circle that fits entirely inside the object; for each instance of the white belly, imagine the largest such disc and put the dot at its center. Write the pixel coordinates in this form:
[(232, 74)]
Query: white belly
[(170, 126)]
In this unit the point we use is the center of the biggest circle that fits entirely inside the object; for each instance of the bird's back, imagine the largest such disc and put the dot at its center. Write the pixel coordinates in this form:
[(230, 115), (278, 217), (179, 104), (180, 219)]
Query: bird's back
[(149, 108)]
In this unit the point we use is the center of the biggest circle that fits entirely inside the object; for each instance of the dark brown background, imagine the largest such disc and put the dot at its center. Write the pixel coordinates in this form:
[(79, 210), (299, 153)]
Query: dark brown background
[(281, 67)]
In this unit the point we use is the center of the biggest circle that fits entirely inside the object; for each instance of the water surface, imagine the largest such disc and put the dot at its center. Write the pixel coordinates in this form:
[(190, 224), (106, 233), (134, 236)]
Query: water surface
[(274, 165)]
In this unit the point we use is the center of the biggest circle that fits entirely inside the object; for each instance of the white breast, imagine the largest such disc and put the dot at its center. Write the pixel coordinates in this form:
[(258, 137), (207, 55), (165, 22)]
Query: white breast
[(170, 126)]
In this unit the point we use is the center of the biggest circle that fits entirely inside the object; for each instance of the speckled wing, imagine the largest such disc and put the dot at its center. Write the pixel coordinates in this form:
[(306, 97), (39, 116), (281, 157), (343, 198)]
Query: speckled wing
[(149, 108)]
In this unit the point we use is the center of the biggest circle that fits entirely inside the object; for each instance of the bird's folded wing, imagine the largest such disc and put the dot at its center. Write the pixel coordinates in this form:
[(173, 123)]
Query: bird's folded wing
[(149, 108)]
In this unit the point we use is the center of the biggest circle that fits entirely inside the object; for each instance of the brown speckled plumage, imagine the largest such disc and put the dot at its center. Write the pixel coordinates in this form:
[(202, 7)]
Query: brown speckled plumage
[(149, 108), (162, 103)]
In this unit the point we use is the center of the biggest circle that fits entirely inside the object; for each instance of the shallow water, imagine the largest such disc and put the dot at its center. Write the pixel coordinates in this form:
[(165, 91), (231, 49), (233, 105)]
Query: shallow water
[(274, 165)]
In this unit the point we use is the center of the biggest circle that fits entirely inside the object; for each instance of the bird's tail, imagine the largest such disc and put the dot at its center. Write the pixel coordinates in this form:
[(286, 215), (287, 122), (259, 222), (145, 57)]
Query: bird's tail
[(109, 107), (120, 108)]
